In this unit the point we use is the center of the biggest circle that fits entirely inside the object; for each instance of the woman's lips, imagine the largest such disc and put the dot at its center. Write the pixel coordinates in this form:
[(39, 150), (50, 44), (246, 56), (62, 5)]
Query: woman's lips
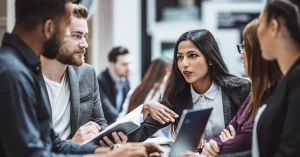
[(187, 73)]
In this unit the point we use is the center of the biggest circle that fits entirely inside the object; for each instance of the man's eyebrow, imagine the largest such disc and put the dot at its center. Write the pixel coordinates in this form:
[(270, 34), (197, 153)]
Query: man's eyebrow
[(78, 32)]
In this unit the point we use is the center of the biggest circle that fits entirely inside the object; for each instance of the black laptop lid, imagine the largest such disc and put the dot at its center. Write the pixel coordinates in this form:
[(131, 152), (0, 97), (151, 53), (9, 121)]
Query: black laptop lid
[(191, 127)]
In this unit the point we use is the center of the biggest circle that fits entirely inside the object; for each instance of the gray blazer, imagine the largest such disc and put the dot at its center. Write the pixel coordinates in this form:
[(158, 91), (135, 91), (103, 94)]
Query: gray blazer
[(85, 97)]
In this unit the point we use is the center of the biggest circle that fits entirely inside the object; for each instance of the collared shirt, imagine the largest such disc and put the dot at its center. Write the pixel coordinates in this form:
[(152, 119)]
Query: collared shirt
[(24, 110), (211, 99), (119, 90)]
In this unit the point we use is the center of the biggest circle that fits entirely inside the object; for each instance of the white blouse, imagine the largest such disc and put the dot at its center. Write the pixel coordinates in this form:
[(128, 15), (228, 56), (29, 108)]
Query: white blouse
[(211, 99)]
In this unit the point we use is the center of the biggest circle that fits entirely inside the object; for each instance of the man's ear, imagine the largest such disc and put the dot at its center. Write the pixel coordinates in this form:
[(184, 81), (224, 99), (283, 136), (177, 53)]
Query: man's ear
[(48, 28)]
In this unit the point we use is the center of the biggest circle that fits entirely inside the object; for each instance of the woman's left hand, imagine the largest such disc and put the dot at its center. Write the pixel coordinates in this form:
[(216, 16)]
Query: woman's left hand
[(227, 135)]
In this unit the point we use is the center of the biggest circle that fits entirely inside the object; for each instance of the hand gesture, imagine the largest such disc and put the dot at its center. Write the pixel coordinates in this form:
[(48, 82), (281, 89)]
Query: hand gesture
[(86, 132), (159, 112)]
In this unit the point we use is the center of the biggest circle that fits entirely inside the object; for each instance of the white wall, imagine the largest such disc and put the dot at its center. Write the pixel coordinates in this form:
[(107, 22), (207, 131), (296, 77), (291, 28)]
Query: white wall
[(101, 35), (10, 15), (127, 32)]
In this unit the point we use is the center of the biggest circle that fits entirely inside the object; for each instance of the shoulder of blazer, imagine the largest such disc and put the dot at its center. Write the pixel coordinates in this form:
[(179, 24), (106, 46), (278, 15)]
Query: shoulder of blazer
[(84, 69), (294, 74), (104, 78), (239, 90)]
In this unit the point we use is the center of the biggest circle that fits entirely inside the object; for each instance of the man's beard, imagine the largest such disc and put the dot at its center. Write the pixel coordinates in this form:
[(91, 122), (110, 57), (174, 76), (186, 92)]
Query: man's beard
[(52, 46), (69, 58)]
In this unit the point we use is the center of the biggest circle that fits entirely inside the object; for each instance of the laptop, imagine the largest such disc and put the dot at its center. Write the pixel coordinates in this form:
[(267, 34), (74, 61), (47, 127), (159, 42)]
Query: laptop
[(189, 131)]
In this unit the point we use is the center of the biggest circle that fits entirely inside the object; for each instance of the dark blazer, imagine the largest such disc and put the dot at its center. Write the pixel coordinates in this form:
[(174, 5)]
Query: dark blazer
[(108, 95), (279, 124), (85, 98), (230, 107)]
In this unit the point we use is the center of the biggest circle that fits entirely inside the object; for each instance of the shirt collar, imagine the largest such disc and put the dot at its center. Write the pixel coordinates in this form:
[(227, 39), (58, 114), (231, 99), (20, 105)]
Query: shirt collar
[(26, 53), (122, 79), (210, 94)]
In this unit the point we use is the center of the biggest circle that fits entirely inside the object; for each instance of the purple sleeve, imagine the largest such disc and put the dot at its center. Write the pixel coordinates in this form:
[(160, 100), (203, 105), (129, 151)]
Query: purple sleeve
[(233, 123), (241, 142)]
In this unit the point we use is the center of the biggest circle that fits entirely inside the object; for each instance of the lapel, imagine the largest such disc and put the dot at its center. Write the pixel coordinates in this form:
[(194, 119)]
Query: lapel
[(43, 84), (75, 99), (111, 89), (226, 107)]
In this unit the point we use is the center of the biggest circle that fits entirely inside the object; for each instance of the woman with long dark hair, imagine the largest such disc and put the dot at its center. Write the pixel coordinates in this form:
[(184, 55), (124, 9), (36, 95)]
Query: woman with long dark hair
[(199, 79)]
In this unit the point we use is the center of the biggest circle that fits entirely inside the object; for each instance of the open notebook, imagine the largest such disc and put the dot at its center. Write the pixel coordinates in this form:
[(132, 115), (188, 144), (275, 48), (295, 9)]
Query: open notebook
[(126, 124)]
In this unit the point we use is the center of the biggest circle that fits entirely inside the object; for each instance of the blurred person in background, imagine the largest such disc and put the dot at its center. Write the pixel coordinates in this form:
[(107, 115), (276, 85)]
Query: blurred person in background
[(114, 84), (151, 87), (199, 79), (72, 86)]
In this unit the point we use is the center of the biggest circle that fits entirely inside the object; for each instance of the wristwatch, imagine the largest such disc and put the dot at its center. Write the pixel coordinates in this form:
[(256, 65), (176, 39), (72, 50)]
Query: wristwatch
[(115, 146)]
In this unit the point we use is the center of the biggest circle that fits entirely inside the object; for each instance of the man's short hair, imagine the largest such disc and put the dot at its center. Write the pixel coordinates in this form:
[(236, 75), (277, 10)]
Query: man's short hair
[(115, 52), (31, 13), (80, 11)]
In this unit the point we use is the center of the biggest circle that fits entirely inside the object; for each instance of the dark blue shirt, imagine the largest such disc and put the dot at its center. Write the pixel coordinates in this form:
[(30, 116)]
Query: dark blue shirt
[(26, 128)]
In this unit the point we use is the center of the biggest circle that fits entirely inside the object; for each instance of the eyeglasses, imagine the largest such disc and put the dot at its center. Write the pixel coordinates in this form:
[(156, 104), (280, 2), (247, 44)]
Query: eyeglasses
[(240, 48)]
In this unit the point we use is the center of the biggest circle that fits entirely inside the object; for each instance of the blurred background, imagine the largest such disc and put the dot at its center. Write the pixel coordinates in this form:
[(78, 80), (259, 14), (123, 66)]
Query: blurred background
[(150, 28)]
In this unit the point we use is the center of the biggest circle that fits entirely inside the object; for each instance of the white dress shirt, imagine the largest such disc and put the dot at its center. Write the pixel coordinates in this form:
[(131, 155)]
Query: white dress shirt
[(211, 99)]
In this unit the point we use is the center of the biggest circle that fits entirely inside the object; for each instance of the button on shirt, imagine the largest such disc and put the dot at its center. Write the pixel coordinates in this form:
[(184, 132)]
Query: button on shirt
[(211, 99)]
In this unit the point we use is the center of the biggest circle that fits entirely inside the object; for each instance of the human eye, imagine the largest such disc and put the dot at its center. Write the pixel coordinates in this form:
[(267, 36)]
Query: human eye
[(193, 55), (179, 57), (77, 36)]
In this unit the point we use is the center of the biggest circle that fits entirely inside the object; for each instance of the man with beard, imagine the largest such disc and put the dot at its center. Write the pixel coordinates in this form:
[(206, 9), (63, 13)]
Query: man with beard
[(26, 127), (72, 86)]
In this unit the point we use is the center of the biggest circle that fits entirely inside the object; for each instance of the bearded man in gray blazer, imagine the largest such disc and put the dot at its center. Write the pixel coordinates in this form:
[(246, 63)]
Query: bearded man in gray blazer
[(72, 87)]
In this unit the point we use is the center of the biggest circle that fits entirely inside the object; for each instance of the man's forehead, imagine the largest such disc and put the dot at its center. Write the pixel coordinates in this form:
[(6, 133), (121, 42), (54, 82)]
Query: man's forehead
[(78, 25), (126, 58)]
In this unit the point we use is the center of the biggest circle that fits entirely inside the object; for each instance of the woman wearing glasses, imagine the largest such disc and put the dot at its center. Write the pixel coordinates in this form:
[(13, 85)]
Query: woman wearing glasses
[(237, 137), (199, 79)]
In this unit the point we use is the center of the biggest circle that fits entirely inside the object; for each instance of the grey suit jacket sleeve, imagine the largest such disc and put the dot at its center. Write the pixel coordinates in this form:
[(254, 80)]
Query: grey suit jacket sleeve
[(85, 99), (97, 113)]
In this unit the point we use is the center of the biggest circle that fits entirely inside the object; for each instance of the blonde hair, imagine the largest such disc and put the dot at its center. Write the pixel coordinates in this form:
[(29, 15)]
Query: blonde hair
[(80, 11)]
